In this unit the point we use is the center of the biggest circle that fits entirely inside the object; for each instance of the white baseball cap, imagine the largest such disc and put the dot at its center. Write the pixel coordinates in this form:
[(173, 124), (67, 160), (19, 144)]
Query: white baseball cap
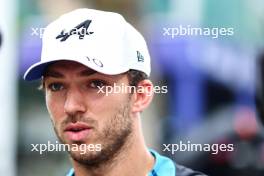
[(102, 41)]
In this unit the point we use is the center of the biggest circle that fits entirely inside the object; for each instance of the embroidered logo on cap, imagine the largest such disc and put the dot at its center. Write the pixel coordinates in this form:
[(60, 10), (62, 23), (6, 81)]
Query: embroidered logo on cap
[(140, 57), (97, 62), (81, 30)]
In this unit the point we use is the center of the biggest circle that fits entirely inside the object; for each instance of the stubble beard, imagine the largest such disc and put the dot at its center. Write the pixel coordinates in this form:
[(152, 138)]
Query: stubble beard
[(115, 139)]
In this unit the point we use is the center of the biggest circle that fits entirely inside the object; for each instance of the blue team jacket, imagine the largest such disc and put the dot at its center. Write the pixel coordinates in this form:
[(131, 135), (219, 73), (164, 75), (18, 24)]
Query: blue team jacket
[(164, 166)]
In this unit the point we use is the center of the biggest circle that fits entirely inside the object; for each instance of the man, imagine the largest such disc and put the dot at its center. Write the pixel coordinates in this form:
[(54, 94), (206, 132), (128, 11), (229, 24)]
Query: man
[(86, 53)]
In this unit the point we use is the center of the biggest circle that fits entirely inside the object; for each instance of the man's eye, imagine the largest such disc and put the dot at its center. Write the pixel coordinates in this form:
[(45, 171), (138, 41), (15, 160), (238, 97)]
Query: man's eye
[(97, 83), (55, 87)]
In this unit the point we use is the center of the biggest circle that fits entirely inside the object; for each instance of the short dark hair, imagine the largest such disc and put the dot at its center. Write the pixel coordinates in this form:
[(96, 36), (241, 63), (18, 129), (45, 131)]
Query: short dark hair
[(135, 76)]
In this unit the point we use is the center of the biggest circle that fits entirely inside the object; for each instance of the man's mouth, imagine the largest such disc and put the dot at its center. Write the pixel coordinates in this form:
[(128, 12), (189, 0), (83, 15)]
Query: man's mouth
[(77, 131)]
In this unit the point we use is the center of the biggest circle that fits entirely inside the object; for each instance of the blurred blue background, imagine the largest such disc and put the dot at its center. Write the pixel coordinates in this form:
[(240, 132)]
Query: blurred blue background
[(211, 82)]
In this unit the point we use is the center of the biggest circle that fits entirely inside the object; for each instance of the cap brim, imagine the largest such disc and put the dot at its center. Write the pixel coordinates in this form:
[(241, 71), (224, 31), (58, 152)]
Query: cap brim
[(36, 71)]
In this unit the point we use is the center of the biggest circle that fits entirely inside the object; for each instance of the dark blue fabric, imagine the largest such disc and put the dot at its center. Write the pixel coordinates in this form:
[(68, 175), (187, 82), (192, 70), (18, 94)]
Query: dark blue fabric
[(164, 166)]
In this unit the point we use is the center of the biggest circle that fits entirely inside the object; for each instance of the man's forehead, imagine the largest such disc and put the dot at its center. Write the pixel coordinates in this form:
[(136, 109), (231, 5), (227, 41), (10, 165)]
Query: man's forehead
[(61, 67), (67, 65)]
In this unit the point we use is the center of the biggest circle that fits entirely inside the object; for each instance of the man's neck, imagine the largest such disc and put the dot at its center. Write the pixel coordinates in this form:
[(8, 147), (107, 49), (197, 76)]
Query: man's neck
[(134, 159)]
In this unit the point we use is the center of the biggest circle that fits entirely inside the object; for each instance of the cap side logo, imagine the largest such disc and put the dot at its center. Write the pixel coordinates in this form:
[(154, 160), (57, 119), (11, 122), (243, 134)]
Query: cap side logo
[(81, 30), (140, 57)]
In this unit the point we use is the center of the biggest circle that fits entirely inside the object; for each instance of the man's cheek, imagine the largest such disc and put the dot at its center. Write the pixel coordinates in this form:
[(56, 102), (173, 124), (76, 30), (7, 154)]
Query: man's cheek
[(57, 125), (56, 111), (59, 131), (51, 107), (47, 100)]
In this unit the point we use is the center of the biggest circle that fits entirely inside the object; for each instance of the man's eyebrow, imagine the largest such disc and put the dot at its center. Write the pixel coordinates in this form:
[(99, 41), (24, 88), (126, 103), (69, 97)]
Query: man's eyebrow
[(52, 73), (56, 74), (87, 72)]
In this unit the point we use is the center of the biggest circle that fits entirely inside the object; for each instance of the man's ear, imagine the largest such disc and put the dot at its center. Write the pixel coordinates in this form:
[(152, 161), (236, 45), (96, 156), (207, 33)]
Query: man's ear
[(143, 96)]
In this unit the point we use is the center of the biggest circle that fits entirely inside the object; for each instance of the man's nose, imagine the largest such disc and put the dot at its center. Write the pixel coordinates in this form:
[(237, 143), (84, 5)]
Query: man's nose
[(74, 102)]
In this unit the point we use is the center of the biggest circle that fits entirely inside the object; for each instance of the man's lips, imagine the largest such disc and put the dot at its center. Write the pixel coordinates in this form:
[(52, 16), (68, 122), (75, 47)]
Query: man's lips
[(77, 127), (77, 131)]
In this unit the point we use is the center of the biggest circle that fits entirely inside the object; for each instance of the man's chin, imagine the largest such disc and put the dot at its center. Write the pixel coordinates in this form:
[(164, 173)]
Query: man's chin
[(68, 141), (91, 159)]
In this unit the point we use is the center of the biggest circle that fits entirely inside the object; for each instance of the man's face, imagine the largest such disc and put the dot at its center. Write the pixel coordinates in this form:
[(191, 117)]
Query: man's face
[(81, 114)]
